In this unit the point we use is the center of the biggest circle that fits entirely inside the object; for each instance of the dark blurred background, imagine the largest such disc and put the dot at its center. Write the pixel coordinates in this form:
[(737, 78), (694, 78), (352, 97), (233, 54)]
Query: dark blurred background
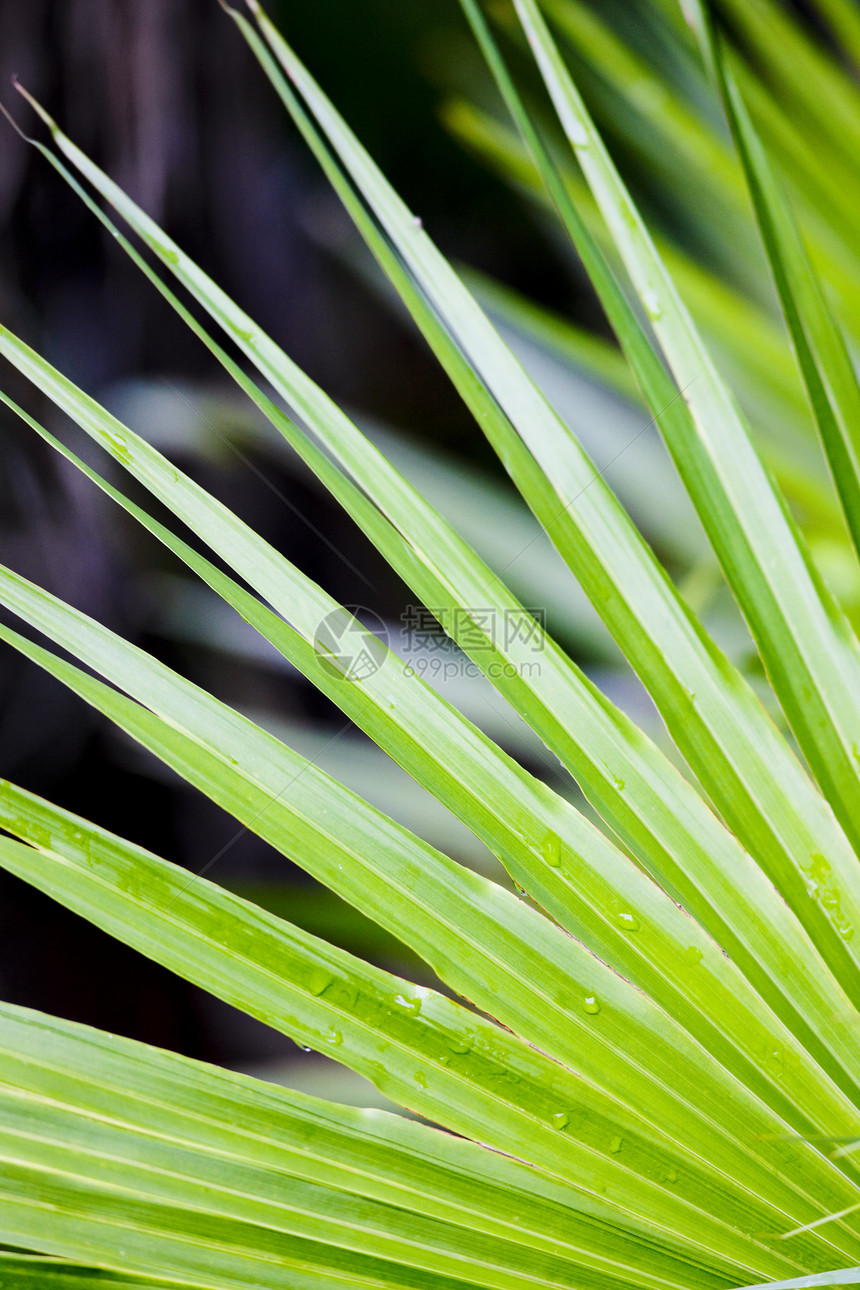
[(165, 96)]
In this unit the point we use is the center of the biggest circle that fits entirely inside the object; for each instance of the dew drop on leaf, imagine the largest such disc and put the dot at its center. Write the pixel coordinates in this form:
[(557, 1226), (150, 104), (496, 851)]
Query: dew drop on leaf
[(626, 921), (591, 1005), (551, 850), (410, 1005), (119, 447), (651, 301), (318, 981)]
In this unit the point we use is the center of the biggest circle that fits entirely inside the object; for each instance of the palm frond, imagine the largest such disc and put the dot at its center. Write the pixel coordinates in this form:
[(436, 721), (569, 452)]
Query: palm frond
[(656, 1050)]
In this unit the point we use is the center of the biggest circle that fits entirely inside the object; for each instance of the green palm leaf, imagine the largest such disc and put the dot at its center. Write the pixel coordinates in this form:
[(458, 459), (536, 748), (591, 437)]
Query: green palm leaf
[(797, 627), (631, 783), (646, 1078)]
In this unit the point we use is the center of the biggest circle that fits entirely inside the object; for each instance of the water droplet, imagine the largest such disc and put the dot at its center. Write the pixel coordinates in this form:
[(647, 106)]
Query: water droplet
[(669, 1176), (626, 921), (334, 1037), (591, 1004), (305, 1048), (577, 134), (619, 783), (411, 1005), (551, 850), (460, 1043), (615, 1144), (120, 450), (560, 1120), (417, 221), (651, 301), (692, 955), (168, 254), (421, 1078), (820, 886), (318, 980), (775, 1059), (817, 867), (818, 871)]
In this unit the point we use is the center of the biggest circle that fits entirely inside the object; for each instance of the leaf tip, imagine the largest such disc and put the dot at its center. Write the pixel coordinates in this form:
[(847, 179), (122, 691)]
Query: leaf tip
[(35, 105)]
